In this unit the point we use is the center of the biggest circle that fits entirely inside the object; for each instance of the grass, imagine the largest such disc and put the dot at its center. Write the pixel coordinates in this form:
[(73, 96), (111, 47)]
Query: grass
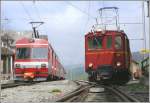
[(55, 91), (137, 87)]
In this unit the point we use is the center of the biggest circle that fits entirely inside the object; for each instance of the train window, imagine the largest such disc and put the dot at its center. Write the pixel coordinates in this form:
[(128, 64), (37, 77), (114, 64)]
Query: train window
[(109, 41), (39, 53), (118, 42), (95, 43), (23, 53), (90, 42)]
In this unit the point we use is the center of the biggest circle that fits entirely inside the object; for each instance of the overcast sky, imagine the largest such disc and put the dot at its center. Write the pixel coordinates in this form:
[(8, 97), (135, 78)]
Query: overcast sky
[(66, 22)]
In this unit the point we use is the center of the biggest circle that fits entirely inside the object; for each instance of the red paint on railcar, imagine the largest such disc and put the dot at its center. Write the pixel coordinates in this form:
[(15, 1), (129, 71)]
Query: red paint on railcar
[(35, 59), (102, 51)]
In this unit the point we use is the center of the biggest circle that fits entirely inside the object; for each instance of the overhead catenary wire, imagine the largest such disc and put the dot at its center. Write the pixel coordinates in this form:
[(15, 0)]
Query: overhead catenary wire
[(89, 9), (37, 11), (39, 16), (4, 23), (26, 11), (30, 17), (89, 6), (41, 19), (84, 12)]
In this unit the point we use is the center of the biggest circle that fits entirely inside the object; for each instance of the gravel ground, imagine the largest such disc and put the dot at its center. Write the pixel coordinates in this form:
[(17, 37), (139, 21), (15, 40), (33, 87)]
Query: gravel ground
[(139, 91), (38, 93)]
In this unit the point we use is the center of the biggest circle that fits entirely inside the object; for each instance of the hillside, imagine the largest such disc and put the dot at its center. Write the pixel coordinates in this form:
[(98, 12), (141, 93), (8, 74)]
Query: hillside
[(76, 72), (137, 56)]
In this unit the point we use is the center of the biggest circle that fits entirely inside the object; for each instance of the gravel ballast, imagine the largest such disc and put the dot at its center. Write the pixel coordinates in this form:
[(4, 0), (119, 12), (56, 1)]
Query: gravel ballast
[(38, 93), (137, 90)]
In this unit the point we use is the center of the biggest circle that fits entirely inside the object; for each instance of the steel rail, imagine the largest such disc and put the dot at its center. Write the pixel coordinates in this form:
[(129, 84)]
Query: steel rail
[(80, 92), (131, 98), (74, 94), (71, 96), (124, 96), (11, 85), (117, 91)]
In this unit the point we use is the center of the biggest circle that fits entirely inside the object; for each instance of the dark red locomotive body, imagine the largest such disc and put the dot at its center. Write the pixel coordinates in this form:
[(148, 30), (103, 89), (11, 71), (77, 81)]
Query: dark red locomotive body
[(107, 55)]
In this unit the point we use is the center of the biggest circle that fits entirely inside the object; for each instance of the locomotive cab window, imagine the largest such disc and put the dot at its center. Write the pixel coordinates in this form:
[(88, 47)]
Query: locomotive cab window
[(118, 42), (39, 53), (109, 42), (23, 53), (95, 42)]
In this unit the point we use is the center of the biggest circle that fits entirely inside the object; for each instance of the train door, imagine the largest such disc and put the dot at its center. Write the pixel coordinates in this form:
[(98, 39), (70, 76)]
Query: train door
[(126, 52), (119, 52)]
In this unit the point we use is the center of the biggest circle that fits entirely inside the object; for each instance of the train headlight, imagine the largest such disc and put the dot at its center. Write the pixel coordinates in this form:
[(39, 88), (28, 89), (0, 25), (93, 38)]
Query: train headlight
[(90, 65), (52, 67), (17, 65), (118, 64), (43, 65)]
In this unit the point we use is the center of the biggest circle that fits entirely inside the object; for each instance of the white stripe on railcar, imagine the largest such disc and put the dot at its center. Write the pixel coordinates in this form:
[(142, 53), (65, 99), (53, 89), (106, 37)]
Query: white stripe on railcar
[(31, 64), (31, 44)]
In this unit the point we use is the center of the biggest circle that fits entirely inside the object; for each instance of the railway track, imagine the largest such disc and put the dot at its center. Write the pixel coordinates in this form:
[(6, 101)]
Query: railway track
[(92, 92), (123, 96), (73, 95), (11, 85)]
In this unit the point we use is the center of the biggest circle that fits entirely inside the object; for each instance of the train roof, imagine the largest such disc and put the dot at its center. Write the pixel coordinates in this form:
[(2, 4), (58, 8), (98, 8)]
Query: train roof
[(106, 32), (31, 41)]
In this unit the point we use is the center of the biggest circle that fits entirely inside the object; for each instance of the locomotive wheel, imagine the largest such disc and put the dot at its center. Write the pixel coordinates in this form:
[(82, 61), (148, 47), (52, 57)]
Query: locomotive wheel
[(91, 79), (125, 78), (121, 77)]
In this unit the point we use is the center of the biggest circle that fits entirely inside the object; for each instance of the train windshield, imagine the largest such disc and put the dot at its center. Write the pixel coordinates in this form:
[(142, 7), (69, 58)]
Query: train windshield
[(95, 42), (118, 42), (109, 42), (39, 53), (23, 53), (31, 53)]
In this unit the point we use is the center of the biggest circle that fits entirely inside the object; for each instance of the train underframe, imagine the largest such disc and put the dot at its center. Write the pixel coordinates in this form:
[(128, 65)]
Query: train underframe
[(36, 78), (53, 78), (107, 74)]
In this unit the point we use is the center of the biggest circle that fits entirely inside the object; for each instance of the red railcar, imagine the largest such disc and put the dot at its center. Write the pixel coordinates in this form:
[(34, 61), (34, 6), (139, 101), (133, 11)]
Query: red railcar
[(36, 60), (107, 55)]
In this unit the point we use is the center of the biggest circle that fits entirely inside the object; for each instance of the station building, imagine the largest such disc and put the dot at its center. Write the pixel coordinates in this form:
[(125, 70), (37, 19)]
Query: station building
[(8, 40)]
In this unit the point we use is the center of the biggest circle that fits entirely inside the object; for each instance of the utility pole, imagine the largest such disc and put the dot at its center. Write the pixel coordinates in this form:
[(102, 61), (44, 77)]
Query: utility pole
[(149, 31), (144, 33), (1, 31), (0, 62), (148, 8)]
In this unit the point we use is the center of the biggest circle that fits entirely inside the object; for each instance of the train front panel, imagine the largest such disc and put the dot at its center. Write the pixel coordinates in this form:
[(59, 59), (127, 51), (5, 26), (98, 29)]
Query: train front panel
[(31, 60), (105, 55)]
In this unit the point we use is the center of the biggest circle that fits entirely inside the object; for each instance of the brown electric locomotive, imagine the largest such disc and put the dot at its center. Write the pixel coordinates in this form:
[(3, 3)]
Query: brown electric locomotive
[(107, 55)]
